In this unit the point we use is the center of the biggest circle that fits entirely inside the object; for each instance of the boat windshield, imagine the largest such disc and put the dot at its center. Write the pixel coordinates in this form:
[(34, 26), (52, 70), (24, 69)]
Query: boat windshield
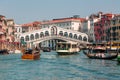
[(63, 46)]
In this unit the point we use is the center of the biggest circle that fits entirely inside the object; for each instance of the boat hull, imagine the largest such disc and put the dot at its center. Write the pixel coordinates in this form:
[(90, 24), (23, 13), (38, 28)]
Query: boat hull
[(33, 56), (66, 53), (118, 58)]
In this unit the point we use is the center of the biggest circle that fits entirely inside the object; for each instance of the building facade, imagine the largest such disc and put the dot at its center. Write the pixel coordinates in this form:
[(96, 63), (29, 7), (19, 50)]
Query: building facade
[(101, 28), (6, 29), (88, 25), (72, 23), (115, 28)]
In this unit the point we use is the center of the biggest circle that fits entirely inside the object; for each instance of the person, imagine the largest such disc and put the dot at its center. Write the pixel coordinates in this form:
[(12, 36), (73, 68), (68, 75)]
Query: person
[(103, 55), (36, 48)]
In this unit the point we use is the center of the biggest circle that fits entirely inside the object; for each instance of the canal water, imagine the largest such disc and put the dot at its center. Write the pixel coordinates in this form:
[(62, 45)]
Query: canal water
[(54, 67)]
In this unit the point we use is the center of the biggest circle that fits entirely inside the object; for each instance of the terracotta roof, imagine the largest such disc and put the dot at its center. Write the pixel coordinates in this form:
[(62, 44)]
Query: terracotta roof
[(63, 20), (31, 24), (53, 21), (108, 14)]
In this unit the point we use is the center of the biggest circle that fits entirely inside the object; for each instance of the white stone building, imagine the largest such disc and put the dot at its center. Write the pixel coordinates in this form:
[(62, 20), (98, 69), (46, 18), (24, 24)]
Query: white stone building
[(88, 25), (18, 32), (67, 23)]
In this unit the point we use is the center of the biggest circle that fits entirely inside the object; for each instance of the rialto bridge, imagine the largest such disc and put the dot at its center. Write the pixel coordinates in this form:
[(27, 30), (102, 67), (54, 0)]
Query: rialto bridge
[(46, 36)]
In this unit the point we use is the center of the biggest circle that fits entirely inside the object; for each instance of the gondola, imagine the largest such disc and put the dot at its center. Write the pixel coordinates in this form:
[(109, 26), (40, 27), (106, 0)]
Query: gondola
[(100, 54)]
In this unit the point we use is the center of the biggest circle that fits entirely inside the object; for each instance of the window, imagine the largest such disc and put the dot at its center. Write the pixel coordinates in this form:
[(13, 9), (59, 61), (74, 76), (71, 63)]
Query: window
[(46, 33), (66, 34), (32, 37), (70, 35), (27, 38), (36, 36), (61, 33), (80, 37), (75, 36), (41, 34), (22, 39), (84, 39)]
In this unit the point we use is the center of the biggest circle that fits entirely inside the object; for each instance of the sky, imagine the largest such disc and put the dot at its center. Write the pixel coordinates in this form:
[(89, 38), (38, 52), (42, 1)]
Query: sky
[(25, 11)]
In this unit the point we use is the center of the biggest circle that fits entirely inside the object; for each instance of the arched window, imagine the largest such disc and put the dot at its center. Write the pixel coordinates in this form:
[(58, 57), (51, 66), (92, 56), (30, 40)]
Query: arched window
[(19, 30), (70, 35), (27, 38), (75, 36), (84, 39), (41, 34), (46, 33), (66, 34), (31, 37), (36, 36), (61, 33), (80, 37), (22, 39)]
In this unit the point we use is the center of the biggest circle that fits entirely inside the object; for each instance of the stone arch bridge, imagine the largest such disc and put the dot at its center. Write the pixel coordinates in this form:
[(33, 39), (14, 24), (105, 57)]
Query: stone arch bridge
[(51, 33)]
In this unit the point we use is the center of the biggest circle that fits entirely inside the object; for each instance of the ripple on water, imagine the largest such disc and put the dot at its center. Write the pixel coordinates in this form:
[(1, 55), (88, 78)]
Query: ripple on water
[(54, 67)]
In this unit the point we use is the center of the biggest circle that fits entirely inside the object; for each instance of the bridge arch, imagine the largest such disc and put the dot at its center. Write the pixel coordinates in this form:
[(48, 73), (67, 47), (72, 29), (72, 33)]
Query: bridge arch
[(75, 36), (70, 35), (41, 34), (84, 39), (37, 36), (80, 37), (27, 38), (65, 34), (31, 37), (61, 33), (46, 33)]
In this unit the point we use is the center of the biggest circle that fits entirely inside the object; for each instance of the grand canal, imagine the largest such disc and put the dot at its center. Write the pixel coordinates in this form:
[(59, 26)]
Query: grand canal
[(54, 67)]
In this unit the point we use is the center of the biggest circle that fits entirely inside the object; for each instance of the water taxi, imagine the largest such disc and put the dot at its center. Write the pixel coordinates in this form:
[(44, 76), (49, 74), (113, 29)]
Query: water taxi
[(67, 48), (31, 54)]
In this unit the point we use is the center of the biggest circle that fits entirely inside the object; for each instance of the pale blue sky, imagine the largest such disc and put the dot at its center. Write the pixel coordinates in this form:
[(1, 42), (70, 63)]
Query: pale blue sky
[(23, 11)]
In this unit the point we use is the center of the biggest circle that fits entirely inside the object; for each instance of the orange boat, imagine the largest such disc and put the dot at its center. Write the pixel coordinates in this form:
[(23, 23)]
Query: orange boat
[(31, 54)]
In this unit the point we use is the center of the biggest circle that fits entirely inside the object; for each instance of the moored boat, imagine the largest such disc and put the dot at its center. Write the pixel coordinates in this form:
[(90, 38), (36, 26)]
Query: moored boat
[(67, 48), (31, 54), (46, 49), (4, 51)]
